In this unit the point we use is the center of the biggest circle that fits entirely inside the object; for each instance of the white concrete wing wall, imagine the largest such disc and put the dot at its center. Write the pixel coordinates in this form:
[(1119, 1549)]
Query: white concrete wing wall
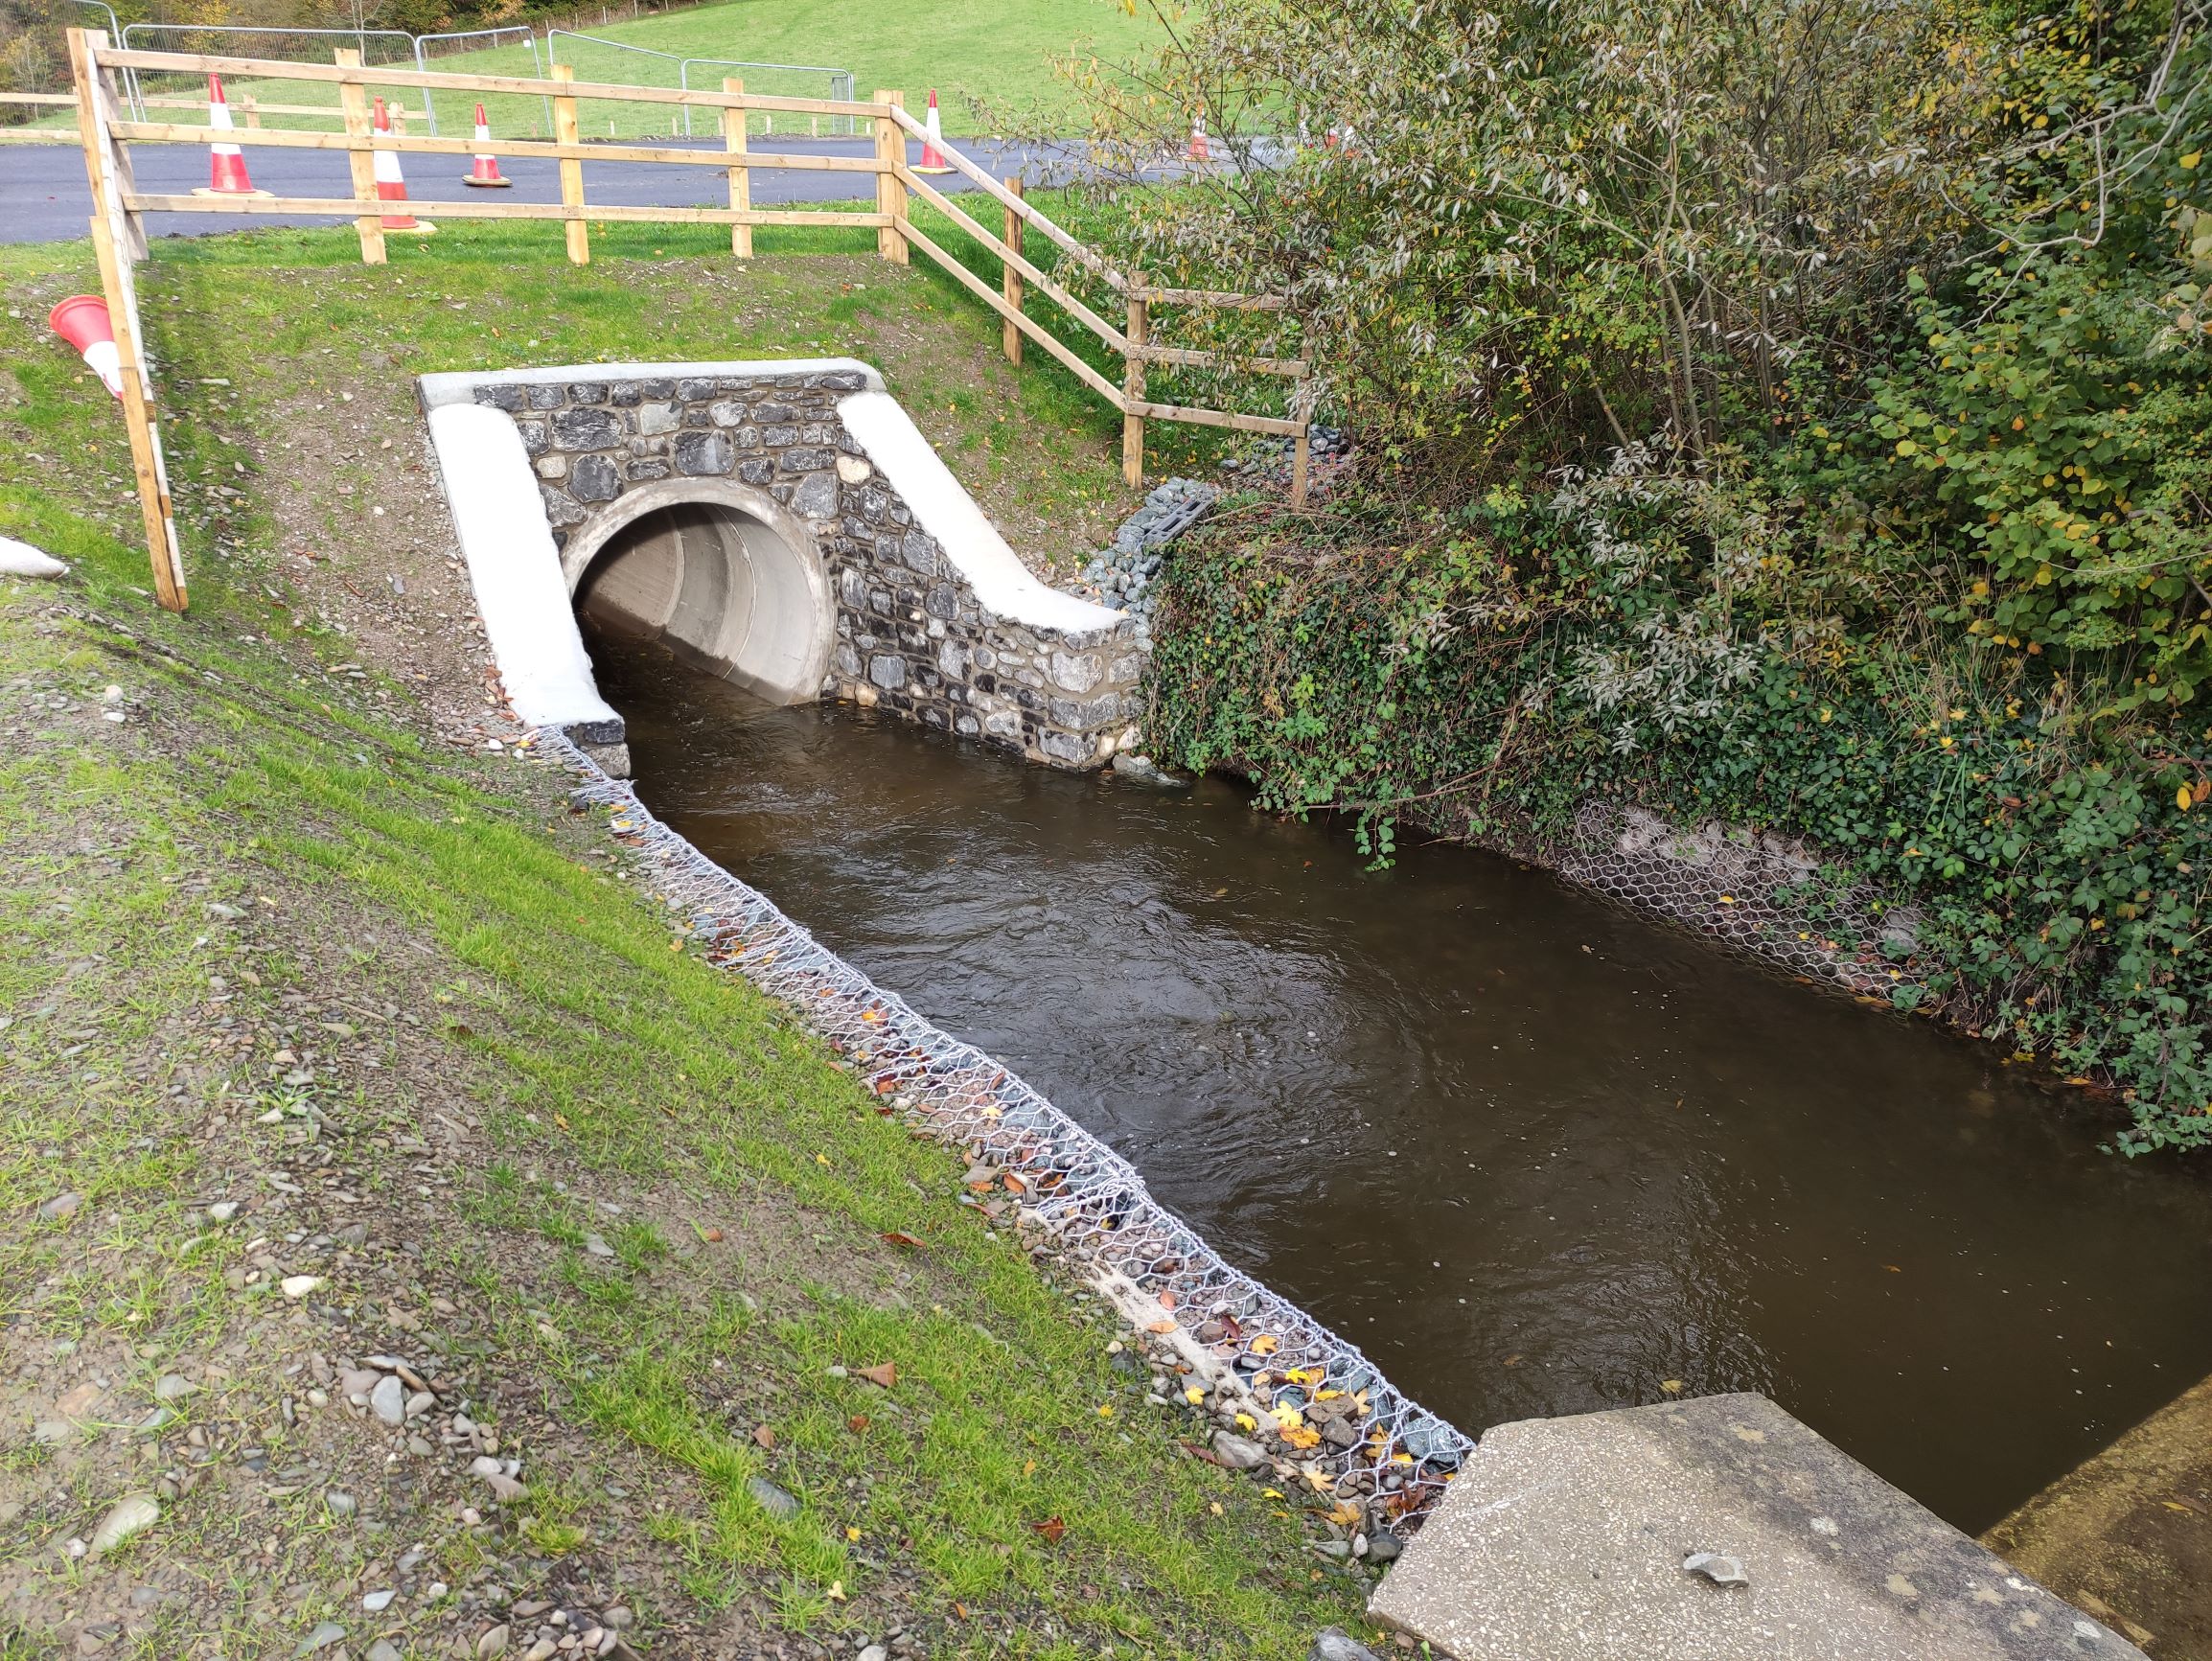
[(515, 572)]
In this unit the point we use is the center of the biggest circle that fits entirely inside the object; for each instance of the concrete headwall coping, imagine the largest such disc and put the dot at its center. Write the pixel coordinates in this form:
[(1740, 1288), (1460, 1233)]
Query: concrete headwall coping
[(460, 386)]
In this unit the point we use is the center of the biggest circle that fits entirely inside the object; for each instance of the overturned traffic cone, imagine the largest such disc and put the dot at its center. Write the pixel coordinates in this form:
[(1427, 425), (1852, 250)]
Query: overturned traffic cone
[(227, 174), (485, 173), (932, 158), (1197, 151), (392, 184), (84, 322)]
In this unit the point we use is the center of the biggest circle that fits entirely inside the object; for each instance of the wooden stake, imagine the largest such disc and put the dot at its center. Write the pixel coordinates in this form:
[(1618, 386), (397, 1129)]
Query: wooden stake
[(890, 194), (163, 552), (1301, 445), (740, 177), (571, 171), (1012, 337), (1133, 394), (354, 104)]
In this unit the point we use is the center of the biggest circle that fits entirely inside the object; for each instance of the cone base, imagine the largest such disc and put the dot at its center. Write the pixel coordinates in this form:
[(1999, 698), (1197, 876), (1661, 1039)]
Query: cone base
[(211, 190), (933, 169), (409, 228), (488, 184)]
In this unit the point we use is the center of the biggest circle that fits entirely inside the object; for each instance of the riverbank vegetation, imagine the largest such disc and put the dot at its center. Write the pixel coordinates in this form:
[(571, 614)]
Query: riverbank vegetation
[(1792, 418)]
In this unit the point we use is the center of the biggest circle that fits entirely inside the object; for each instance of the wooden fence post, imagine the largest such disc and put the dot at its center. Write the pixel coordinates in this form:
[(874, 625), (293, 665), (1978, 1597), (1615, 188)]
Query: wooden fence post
[(147, 465), (354, 102), (1133, 389), (1012, 335), (740, 175), (99, 102), (252, 110), (571, 171), (890, 192)]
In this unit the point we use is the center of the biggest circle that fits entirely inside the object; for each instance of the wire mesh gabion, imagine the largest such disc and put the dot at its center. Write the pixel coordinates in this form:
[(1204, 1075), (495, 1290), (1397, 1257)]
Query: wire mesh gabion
[(1761, 895), (1307, 1396)]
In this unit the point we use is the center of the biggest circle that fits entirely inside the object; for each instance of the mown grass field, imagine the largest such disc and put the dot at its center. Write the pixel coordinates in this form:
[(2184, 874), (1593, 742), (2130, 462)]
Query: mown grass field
[(268, 848), (990, 61)]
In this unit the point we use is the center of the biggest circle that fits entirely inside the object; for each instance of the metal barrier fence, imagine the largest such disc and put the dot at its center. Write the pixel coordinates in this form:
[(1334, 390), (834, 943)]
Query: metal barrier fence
[(493, 39), (251, 40), (596, 58)]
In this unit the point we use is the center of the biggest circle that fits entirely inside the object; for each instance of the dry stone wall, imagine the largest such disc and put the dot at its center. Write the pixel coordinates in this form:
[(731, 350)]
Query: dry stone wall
[(911, 632)]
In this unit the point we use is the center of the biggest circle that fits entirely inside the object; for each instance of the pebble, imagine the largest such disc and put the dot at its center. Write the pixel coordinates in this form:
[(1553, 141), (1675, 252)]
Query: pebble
[(60, 1206), (1236, 1453), (222, 1211), (597, 1246), (376, 1603), (173, 1387), (1384, 1547), (1335, 1644), (875, 1653), (385, 1650), (770, 1499), (388, 1400), (132, 1515), (300, 1285), (492, 1643), (325, 1634), (341, 1504), (1144, 769)]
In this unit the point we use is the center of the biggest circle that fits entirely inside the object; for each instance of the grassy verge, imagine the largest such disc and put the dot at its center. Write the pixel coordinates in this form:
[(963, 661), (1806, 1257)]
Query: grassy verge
[(324, 1042)]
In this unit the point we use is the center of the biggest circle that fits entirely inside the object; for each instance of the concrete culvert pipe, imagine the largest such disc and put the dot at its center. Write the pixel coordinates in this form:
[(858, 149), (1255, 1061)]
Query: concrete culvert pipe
[(728, 580)]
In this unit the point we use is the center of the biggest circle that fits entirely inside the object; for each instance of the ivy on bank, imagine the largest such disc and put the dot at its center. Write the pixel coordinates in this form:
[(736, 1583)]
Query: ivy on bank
[(2058, 883)]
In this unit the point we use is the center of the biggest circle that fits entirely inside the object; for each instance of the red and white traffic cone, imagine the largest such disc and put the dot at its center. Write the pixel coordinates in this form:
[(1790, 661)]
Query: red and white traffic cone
[(485, 173), (932, 158), (392, 184), (1197, 151), (83, 320), (227, 174)]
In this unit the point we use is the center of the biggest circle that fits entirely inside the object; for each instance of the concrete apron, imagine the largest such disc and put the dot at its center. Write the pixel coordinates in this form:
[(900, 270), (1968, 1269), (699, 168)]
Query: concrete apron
[(1715, 1530), (782, 523)]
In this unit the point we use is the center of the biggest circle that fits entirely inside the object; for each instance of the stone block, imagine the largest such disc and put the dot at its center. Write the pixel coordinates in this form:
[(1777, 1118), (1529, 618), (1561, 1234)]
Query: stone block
[(638, 471), (778, 437), (587, 392), (559, 510), (691, 390), (919, 550), (725, 412), (1075, 670), (746, 438), (756, 470), (853, 469), (658, 387), (546, 397), (941, 601), (844, 381), (817, 497), (1066, 748), (1567, 1538), (533, 436), (656, 417), (594, 478), (624, 393), (554, 466), (586, 429), (511, 399), (887, 671), (774, 412), (704, 454)]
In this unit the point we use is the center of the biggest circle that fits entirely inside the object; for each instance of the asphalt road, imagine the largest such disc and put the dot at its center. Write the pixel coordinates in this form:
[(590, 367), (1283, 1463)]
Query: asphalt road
[(44, 198)]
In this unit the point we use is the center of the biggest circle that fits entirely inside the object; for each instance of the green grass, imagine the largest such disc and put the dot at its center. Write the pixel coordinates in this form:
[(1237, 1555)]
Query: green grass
[(589, 1049), (990, 61)]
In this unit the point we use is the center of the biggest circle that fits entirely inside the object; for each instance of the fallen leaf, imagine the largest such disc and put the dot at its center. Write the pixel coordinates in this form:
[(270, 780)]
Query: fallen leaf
[(1511, 1361), (711, 1235), (1266, 1343), (857, 1423), (1672, 1386), (2179, 1505), (1893, 1268), (852, 1534), (1051, 1528), (764, 1436), (1168, 1300), (896, 1237), (838, 1591), (1161, 1326), (887, 1375), (1214, 1506)]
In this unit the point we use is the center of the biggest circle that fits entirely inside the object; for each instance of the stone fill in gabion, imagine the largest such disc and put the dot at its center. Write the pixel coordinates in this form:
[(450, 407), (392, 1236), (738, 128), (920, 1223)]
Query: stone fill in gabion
[(1317, 1403)]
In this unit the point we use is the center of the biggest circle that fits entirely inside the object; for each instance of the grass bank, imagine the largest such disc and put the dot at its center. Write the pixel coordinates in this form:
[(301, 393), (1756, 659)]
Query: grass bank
[(331, 1041)]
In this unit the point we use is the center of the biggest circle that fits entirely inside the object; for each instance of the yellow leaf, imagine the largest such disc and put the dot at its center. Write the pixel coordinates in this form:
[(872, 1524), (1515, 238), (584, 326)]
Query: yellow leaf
[(1105, 1410), (1286, 1416), (1194, 1396), (838, 1591), (2182, 798), (1028, 1468), (1266, 1343), (821, 1159), (1672, 1386), (1161, 1326), (1272, 1493), (1214, 1506), (1302, 1439), (2192, 158), (852, 1534), (1245, 1421)]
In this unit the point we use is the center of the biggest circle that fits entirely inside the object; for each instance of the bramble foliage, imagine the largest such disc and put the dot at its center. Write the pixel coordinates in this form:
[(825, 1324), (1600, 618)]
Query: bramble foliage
[(1791, 415)]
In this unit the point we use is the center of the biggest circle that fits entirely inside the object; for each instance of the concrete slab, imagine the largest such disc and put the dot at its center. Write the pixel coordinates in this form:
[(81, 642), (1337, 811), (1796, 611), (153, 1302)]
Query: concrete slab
[(1564, 1539)]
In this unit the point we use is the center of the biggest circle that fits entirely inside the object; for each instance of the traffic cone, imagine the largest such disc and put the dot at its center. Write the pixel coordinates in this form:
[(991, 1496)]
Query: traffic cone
[(485, 173), (84, 322), (392, 184), (227, 174), (932, 158), (1197, 150)]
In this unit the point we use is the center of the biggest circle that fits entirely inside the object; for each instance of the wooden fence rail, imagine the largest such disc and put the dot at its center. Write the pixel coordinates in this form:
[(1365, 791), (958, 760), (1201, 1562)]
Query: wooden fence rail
[(119, 207)]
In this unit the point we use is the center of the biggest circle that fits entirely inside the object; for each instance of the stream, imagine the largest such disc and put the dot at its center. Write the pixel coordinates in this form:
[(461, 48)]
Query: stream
[(1534, 1155)]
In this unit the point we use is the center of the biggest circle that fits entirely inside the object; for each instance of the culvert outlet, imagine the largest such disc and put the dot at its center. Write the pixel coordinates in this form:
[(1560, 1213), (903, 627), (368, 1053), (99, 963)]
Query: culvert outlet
[(726, 579)]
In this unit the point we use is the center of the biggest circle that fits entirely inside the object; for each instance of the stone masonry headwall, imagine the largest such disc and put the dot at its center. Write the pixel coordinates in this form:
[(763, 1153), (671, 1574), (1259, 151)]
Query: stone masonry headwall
[(912, 635)]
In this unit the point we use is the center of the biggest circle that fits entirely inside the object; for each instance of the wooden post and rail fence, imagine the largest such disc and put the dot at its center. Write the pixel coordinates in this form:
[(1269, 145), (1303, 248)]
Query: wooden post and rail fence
[(119, 234)]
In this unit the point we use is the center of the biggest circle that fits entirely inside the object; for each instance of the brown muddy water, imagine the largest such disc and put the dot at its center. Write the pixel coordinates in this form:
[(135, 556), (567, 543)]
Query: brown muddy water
[(1534, 1155)]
